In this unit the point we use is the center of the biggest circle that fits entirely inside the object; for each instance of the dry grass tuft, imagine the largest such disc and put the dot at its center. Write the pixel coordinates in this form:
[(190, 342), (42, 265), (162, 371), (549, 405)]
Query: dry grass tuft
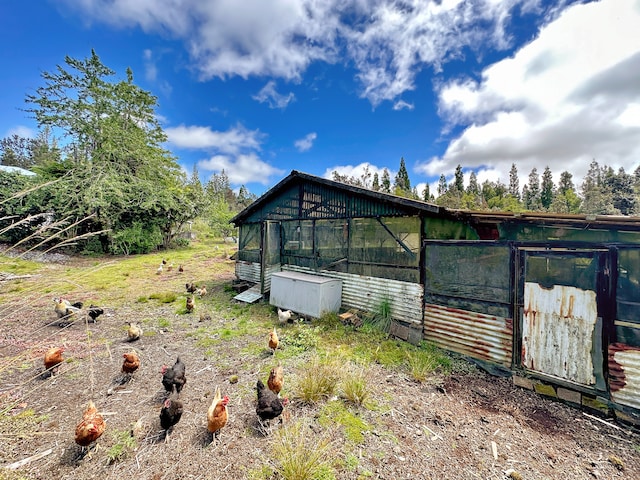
[(319, 379), (300, 456)]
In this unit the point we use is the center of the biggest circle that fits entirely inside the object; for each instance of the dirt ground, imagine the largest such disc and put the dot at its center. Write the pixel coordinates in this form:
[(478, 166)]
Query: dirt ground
[(468, 425)]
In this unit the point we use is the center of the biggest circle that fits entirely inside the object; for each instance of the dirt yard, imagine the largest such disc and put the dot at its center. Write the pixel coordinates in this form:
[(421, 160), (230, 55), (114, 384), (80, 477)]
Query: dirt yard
[(468, 425)]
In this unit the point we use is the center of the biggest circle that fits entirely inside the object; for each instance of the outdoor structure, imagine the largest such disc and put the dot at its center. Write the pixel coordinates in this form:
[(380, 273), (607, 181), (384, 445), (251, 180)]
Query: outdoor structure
[(552, 300)]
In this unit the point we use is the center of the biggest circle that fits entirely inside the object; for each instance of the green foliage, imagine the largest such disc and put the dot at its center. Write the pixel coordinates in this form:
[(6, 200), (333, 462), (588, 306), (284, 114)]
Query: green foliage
[(300, 456), (124, 444), (114, 180), (337, 413), (136, 239)]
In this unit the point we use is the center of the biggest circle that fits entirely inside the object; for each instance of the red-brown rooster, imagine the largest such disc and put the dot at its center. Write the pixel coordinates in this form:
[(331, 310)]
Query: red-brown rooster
[(131, 363), (276, 379), (53, 359), (90, 427), (217, 414)]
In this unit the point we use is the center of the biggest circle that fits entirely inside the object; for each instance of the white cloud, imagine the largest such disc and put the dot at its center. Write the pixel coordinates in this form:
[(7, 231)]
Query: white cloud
[(401, 105), (235, 151), (232, 141), (21, 131), (150, 69), (241, 169), (306, 143), (387, 41), (569, 96), (271, 97)]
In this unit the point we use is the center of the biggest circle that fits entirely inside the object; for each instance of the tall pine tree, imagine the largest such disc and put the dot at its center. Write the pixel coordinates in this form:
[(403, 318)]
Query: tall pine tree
[(402, 183)]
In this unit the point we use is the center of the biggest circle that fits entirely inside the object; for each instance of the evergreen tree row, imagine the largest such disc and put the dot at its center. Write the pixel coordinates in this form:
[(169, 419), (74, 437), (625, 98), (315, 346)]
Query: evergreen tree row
[(603, 191)]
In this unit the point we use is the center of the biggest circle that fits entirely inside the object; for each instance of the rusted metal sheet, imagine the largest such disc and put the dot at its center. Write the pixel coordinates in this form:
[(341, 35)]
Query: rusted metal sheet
[(476, 335), (249, 271), (367, 293), (624, 374), (558, 330)]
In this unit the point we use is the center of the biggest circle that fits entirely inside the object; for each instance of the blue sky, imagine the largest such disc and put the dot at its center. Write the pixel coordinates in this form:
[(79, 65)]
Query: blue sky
[(261, 87)]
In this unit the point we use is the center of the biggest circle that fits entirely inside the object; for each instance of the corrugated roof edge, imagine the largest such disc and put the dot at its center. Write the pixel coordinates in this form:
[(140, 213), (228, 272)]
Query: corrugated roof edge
[(300, 176)]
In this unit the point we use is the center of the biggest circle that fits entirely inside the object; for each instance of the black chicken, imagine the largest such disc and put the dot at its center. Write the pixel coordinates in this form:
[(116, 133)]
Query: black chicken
[(94, 312), (174, 377), (191, 287), (269, 405), (170, 414)]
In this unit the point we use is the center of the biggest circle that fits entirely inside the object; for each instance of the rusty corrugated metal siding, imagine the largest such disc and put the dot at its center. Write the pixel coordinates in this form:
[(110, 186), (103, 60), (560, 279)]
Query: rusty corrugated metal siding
[(557, 331), (624, 374), (476, 335), (367, 293), (249, 271)]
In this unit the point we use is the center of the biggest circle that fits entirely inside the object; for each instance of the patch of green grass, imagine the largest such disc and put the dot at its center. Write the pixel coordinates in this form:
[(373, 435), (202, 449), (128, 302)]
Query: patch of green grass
[(124, 443), (164, 297), (426, 359), (164, 322), (263, 473), (21, 425), (338, 413), (300, 456), (142, 300), (374, 347), (319, 379), (18, 266)]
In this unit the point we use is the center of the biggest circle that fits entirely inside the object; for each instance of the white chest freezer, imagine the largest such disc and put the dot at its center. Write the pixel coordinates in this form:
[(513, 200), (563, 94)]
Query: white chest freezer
[(305, 294)]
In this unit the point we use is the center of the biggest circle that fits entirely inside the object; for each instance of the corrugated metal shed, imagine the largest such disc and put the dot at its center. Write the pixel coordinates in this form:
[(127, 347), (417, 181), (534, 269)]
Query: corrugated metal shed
[(551, 296)]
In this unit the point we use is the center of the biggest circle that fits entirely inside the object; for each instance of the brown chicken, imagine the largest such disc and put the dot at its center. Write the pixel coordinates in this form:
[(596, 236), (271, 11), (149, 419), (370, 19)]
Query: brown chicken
[(53, 358), (276, 379), (91, 426), (190, 305), (217, 414), (131, 363), (202, 291), (273, 340)]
